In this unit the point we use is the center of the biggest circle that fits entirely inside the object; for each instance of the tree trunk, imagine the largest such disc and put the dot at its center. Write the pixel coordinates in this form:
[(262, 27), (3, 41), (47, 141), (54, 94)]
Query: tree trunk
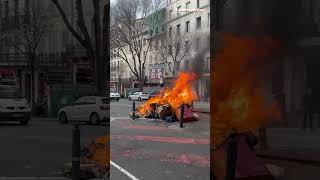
[(141, 83), (98, 51), (33, 88)]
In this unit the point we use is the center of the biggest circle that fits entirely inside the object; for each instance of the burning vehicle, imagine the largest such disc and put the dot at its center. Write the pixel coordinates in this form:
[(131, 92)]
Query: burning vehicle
[(170, 102), (242, 107)]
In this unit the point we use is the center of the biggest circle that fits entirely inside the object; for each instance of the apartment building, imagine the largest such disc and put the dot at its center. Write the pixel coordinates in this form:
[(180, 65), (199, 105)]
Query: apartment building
[(191, 18)]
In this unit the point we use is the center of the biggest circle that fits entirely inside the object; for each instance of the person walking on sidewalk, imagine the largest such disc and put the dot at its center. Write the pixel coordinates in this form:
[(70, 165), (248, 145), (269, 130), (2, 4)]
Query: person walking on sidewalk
[(308, 105)]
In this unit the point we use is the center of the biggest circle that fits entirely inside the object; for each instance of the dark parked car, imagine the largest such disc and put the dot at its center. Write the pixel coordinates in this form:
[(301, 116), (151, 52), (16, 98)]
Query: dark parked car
[(154, 94)]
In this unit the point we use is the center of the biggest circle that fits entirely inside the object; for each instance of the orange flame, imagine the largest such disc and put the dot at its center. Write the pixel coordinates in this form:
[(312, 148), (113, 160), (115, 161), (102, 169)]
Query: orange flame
[(181, 93), (99, 151), (241, 98)]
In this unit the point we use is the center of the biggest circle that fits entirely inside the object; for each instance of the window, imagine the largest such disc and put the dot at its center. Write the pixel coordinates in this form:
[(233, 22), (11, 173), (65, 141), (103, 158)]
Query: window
[(187, 26), (150, 58), (156, 59), (198, 24), (209, 19), (170, 31), (150, 45), (188, 5), (178, 29), (178, 10), (91, 100), (198, 3), (170, 14), (198, 43), (80, 101), (186, 45)]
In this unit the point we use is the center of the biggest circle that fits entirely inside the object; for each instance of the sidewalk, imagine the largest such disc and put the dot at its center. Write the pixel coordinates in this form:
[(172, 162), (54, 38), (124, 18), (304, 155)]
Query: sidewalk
[(292, 144), (201, 107)]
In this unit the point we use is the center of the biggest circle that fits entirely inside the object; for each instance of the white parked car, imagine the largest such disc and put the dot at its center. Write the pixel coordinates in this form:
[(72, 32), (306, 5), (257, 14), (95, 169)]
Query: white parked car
[(138, 96), (90, 109), (13, 107), (114, 96)]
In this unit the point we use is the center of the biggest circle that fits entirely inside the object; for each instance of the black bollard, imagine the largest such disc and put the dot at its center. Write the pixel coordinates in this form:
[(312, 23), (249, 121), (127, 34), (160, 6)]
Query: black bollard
[(76, 153), (231, 157), (133, 110), (181, 115)]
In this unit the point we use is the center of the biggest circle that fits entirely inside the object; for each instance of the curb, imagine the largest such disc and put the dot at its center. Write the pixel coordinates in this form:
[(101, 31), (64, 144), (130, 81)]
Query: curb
[(288, 158), (200, 111)]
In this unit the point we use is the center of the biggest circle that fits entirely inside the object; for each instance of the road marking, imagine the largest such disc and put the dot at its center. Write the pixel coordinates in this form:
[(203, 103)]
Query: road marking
[(162, 139), (123, 171), (120, 118), (33, 178), (140, 127)]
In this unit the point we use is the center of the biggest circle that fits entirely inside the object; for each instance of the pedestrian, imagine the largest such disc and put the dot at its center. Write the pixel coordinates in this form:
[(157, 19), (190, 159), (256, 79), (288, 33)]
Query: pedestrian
[(308, 110)]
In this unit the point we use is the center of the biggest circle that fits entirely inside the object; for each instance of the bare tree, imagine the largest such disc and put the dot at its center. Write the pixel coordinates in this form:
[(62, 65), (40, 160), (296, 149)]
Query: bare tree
[(95, 50), (129, 29), (26, 40), (173, 49)]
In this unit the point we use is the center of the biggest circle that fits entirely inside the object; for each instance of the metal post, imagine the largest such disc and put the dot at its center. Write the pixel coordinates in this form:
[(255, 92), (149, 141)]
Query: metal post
[(181, 115), (133, 110), (76, 153), (231, 157)]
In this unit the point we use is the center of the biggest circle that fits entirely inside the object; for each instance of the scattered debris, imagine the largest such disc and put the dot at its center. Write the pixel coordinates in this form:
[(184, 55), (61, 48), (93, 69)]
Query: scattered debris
[(168, 114)]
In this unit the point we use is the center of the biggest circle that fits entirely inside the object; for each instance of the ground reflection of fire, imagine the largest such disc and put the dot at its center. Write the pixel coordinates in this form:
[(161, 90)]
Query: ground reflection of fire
[(180, 93), (241, 103)]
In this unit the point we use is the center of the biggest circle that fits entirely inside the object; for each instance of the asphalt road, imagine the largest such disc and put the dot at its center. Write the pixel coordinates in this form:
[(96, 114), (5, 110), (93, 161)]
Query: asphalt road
[(39, 149), (151, 150)]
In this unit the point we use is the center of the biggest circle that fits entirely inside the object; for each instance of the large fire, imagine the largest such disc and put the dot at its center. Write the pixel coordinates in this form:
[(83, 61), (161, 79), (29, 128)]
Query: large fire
[(180, 93), (239, 92)]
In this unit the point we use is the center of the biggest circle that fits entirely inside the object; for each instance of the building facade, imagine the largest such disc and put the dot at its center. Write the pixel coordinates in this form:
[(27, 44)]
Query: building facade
[(61, 59), (297, 70), (188, 17), (191, 18)]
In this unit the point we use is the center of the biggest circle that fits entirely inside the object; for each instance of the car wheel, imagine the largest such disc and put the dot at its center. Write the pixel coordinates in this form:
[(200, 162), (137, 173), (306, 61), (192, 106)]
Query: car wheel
[(94, 119), (139, 99), (63, 118), (118, 99), (24, 121), (129, 98)]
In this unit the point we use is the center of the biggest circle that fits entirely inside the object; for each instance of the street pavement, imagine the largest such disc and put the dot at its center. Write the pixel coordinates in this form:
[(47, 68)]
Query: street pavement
[(152, 149), (294, 150), (40, 149)]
